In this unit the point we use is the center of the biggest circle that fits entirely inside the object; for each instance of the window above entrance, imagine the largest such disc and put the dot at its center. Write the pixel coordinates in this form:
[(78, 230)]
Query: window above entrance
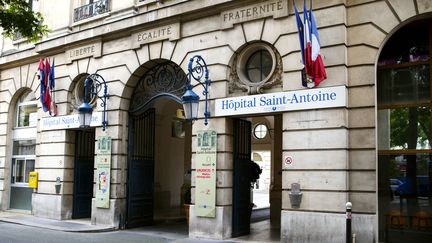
[(27, 111), (260, 131), (78, 92), (256, 67)]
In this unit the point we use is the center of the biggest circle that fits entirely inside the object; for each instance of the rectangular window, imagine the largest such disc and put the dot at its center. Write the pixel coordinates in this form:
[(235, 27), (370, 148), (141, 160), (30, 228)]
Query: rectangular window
[(26, 115), (404, 128), (23, 160), (406, 85), (21, 169), (405, 186), (24, 147)]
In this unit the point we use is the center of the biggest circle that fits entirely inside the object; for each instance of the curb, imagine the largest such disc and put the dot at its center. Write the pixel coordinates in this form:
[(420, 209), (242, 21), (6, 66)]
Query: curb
[(56, 228)]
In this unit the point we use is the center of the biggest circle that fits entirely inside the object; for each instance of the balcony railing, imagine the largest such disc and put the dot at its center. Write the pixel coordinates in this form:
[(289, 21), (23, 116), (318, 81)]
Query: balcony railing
[(91, 10)]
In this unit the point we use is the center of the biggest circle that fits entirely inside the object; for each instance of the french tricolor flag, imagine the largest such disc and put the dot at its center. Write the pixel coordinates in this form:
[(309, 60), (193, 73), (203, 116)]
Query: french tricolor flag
[(318, 73), (314, 70)]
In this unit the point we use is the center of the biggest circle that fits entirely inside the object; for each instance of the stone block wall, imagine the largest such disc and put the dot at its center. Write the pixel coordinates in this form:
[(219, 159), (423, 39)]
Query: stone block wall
[(334, 150)]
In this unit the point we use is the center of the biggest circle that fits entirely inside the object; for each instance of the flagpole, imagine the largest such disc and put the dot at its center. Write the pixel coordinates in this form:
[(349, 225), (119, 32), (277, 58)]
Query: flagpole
[(310, 21), (304, 33)]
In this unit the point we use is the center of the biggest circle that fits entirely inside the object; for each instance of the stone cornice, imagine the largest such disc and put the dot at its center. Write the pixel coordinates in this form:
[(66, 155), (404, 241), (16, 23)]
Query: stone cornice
[(185, 11)]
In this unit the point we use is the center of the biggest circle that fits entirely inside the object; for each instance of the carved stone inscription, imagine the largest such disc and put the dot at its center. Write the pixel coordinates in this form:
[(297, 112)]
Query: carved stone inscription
[(170, 32), (275, 8), (90, 50)]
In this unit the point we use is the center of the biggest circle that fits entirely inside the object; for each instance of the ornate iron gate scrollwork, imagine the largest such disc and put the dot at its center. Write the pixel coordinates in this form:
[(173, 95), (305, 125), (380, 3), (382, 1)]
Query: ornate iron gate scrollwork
[(165, 79)]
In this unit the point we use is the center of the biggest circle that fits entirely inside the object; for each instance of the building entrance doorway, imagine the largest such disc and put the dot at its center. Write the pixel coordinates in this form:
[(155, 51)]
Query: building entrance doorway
[(159, 147), (257, 146), (83, 174), (159, 165)]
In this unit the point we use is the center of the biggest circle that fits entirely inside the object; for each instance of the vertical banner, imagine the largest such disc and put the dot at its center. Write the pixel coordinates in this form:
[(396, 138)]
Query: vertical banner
[(103, 171), (205, 176)]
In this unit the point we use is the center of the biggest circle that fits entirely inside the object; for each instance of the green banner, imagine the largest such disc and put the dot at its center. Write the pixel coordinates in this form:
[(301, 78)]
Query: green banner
[(103, 171), (205, 174)]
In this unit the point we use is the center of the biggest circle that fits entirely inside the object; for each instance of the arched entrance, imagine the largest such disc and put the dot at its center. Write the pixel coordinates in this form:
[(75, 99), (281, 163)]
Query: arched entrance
[(404, 135), (158, 147), (23, 150)]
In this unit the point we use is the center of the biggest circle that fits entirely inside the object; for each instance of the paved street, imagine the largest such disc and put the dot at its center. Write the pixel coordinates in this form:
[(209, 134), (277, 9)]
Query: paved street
[(15, 233)]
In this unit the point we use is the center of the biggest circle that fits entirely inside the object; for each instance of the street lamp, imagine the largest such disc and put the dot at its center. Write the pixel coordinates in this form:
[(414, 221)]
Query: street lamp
[(197, 69), (92, 85)]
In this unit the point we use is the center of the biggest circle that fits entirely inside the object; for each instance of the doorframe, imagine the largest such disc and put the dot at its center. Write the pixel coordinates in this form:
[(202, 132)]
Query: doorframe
[(74, 187)]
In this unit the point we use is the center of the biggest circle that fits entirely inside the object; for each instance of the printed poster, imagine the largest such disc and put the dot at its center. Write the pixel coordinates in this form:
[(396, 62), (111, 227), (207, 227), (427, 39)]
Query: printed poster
[(103, 171), (205, 174)]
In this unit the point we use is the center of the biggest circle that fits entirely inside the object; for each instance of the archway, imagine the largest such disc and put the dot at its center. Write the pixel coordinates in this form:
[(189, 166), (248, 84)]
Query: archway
[(23, 155), (159, 149), (404, 135)]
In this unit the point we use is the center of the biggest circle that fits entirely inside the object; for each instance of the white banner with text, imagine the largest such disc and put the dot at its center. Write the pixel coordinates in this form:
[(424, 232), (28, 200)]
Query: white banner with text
[(282, 101)]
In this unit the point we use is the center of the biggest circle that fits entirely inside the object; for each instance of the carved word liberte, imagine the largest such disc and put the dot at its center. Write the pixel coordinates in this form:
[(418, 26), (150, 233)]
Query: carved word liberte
[(82, 51)]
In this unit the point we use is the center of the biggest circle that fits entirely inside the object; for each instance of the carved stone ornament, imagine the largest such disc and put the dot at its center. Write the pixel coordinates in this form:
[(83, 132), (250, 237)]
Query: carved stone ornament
[(238, 81)]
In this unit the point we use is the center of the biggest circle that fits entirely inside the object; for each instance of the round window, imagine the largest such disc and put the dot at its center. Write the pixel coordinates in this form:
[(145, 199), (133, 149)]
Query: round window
[(260, 131), (255, 65), (79, 92), (259, 66)]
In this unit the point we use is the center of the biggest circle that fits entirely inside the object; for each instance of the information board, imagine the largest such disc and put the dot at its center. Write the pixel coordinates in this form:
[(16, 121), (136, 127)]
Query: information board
[(205, 174), (103, 171)]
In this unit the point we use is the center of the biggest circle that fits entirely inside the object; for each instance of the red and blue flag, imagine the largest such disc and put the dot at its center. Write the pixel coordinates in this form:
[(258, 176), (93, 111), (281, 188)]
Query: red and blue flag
[(42, 85), (51, 79)]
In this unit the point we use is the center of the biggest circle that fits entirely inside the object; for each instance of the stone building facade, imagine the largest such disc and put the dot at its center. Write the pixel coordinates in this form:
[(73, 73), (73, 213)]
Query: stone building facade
[(335, 151)]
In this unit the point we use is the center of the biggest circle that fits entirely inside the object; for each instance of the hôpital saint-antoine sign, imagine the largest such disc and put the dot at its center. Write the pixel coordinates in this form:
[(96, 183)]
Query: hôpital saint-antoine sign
[(305, 99)]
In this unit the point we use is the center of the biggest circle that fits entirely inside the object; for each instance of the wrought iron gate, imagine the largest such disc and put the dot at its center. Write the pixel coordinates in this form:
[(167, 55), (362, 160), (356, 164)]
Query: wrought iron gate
[(83, 174), (241, 181), (141, 169)]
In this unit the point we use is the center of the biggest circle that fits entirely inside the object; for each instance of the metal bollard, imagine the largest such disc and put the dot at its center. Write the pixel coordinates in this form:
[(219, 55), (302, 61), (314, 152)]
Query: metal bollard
[(348, 222)]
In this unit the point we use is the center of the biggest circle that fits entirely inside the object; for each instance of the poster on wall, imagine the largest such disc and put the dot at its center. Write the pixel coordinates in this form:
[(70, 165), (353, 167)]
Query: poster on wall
[(205, 174), (103, 171)]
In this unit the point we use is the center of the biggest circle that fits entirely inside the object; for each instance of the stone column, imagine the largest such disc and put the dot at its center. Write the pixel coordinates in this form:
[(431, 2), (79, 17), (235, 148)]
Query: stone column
[(220, 226), (55, 158), (115, 215), (317, 142)]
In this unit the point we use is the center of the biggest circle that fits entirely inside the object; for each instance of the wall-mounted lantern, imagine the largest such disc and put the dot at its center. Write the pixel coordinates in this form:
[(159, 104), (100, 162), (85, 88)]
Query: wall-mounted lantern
[(92, 85), (197, 69)]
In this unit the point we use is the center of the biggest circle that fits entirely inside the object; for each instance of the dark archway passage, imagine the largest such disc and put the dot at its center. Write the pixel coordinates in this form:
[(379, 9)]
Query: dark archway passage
[(83, 173), (152, 175)]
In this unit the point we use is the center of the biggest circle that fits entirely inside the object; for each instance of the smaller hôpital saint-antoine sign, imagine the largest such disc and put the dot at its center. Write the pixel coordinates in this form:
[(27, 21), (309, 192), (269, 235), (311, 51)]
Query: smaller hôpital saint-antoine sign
[(282, 101), (168, 32), (69, 121), (275, 8), (83, 51), (103, 171), (205, 174)]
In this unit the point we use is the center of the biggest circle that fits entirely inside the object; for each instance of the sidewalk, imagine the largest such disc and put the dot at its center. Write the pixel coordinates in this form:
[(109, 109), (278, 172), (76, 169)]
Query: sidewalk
[(22, 218), (157, 233), (261, 231)]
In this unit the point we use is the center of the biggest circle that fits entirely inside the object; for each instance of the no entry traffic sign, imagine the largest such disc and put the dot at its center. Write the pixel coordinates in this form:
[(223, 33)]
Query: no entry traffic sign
[(288, 160)]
